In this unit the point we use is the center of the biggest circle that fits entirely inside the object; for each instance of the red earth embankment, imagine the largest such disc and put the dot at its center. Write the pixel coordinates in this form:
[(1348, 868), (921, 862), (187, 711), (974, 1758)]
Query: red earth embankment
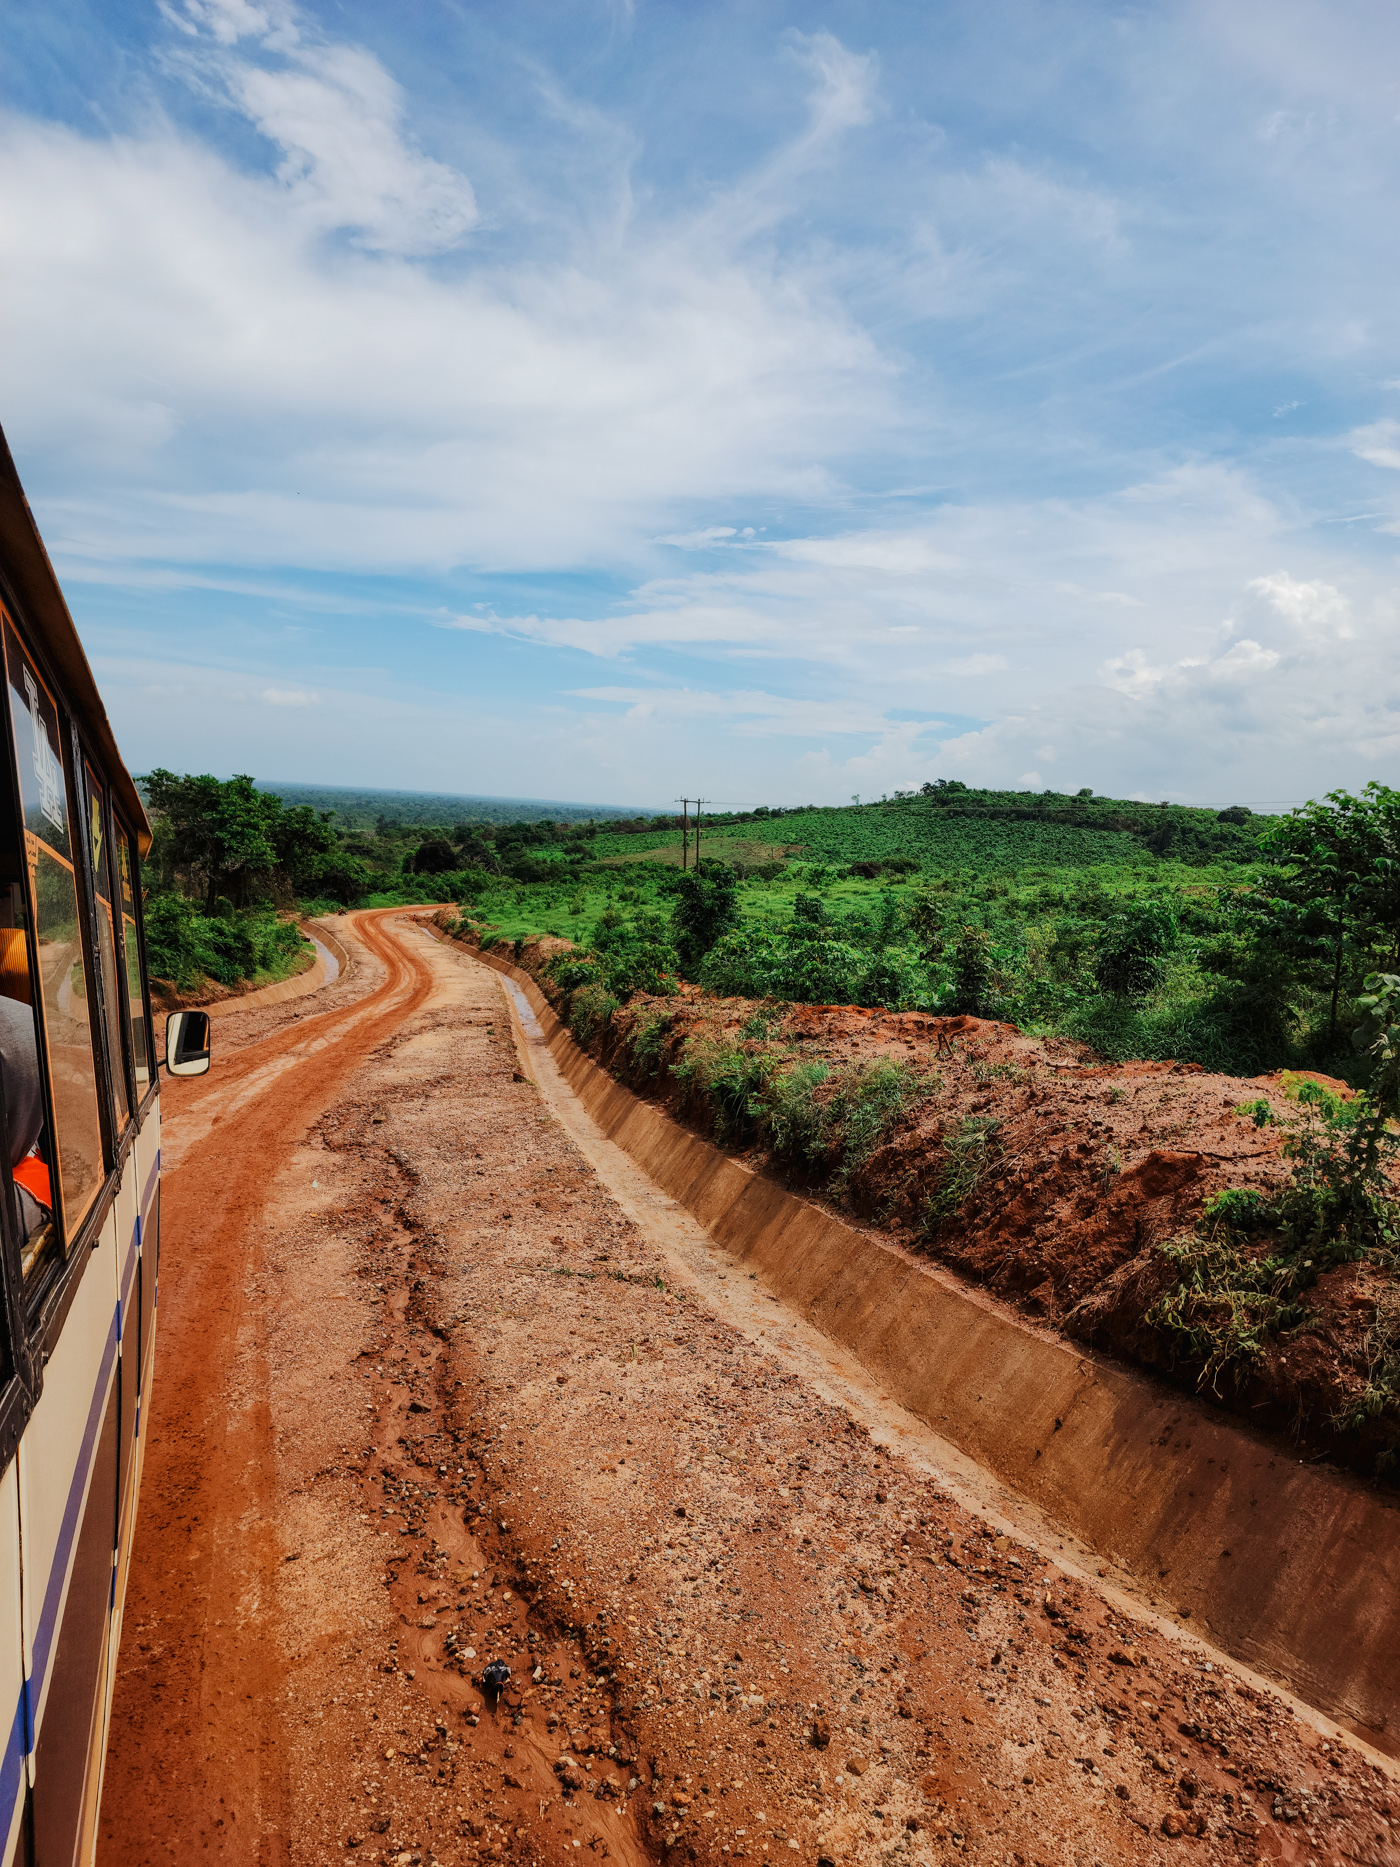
[(1086, 1170)]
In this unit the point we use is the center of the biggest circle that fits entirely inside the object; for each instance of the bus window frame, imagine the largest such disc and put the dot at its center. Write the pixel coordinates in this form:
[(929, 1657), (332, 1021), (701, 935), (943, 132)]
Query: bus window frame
[(92, 953), (116, 1140), (138, 904), (113, 832), (45, 1308)]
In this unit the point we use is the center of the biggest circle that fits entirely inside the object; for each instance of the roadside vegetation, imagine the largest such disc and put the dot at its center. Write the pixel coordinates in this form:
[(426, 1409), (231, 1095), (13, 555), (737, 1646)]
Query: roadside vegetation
[(227, 864), (1145, 931), (1237, 942)]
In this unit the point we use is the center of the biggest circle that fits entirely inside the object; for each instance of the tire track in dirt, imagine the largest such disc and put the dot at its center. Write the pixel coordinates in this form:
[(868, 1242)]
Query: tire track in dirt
[(197, 1735)]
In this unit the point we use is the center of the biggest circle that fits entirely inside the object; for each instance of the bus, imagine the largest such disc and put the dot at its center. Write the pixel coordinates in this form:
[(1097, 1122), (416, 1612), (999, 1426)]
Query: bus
[(79, 1205)]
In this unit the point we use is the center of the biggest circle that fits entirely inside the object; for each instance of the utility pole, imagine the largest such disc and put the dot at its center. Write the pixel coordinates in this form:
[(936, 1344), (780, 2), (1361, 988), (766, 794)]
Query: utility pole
[(685, 803)]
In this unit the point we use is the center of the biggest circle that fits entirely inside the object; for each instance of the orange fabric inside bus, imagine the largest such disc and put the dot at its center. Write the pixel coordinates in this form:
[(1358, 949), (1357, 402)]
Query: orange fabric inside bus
[(33, 1176), (14, 964)]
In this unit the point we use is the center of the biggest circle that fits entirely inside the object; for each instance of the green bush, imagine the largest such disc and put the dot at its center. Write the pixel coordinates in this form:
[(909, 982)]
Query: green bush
[(706, 906), (1132, 957), (590, 1011), (796, 1120), (186, 947), (731, 1080)]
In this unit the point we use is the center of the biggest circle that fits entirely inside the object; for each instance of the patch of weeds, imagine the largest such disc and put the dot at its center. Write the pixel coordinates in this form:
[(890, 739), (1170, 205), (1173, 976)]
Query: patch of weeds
[(1225, 1304), (590, 1010), (796, 1120), (732, 1080), (1116, 1093), (1006, 1071), (868, 1100), (969, 1151), (1381, 1374), (1241, 1277), (646, 1038), (757, 1026), (1112, 1167)]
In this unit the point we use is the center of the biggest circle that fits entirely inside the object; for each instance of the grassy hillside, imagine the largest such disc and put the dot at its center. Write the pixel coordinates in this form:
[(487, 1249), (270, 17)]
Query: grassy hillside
[(1118, 923), (947, 828)]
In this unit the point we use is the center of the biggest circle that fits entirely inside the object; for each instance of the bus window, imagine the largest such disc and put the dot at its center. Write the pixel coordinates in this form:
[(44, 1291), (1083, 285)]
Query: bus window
[(106, 944), (24, 1109), (19, 1052), (62, 964), (131, 948)]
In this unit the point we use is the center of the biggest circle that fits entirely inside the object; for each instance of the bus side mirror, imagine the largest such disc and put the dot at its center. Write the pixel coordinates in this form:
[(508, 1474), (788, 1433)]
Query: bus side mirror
[(187, 1043)]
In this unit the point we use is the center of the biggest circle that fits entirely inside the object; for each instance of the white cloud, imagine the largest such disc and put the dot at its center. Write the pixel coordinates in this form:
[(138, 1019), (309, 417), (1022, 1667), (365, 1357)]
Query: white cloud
[(275, 396), (1379, 443), (289, 697), (697, 541), (751, 712), (336, 116), (974, 665)]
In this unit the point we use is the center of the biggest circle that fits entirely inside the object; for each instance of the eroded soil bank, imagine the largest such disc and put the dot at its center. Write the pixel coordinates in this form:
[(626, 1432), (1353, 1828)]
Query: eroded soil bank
[(1073, 1173), (428, 1397)]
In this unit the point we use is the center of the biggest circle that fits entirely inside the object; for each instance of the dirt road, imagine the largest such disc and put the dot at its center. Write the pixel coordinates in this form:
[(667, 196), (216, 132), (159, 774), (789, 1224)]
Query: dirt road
[(429, 1394)]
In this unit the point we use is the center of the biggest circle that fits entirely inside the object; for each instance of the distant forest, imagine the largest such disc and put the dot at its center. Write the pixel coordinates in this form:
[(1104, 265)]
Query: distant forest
[(365, 810)]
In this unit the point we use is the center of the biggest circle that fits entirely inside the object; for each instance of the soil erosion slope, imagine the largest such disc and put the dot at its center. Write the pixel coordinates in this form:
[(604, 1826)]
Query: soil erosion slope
[(427, 1397)]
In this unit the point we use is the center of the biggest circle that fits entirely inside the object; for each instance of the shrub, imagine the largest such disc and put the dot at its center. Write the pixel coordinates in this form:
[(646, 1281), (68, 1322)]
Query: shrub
[(1132, 957), (646, 1038), (732, 1080), (187, 947), (892, 980), (1241, 1277), (706, 906), (796, 1121), (590, 1011), (869, 1099), (972, 971)]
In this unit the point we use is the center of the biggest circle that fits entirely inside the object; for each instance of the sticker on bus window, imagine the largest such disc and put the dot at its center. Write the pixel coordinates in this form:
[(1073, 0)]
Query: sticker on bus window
[(95, 837), (38, 744), (48, 775)]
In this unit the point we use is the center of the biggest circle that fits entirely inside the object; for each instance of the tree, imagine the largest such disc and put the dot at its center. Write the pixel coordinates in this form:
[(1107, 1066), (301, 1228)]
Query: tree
[(1132, 956), (972, 971), (230, 840), (337, 875), (926, 915), (1330, 902), (706, 906), (435, 857)]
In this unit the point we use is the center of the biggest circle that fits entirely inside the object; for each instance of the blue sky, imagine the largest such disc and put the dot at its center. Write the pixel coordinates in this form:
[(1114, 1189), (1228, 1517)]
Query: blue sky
[(610, 401)]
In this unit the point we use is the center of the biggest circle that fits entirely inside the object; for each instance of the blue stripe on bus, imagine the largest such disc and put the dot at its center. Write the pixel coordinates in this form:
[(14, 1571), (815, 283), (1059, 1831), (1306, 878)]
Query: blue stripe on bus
[(68, 1530), (12, 1767), (128, 1276), (151, 1179)]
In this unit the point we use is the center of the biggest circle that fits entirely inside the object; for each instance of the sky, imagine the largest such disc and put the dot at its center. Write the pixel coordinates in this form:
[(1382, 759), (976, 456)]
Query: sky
[(617, 401)]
